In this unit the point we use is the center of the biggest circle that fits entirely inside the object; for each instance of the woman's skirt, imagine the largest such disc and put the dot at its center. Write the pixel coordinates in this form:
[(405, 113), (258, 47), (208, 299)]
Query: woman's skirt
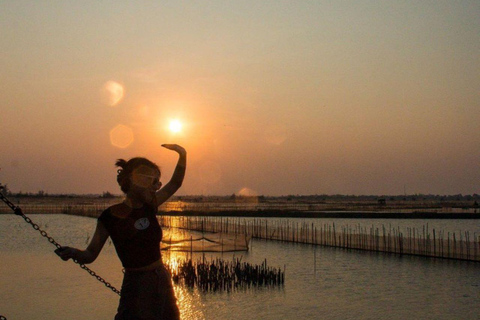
[(147, 295)]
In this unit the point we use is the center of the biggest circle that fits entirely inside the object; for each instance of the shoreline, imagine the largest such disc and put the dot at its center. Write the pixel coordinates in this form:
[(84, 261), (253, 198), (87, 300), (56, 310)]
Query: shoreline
[(326, 214), (92, 207), (414, 215)]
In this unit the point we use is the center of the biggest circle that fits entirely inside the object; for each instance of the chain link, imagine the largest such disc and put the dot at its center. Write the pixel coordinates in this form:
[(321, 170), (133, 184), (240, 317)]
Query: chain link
[(42, 232), (3, 318), (35, 226)]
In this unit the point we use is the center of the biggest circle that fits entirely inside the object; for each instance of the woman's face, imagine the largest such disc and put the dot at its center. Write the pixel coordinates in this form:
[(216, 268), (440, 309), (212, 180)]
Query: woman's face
[(145, 181)]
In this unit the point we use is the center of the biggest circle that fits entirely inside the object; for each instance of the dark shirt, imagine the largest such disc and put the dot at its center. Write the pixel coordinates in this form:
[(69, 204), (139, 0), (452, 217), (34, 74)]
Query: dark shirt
[(135, 235)]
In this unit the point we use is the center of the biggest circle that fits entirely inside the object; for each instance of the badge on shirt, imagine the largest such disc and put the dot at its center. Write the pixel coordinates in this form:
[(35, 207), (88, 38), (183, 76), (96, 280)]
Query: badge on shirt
[(142, 224)]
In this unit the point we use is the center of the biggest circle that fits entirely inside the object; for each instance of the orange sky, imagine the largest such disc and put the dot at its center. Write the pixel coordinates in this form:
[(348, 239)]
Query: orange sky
[(280, 97)]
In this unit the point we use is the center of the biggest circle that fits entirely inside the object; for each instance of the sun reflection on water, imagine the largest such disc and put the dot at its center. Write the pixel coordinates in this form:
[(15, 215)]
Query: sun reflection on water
[(188, 300)]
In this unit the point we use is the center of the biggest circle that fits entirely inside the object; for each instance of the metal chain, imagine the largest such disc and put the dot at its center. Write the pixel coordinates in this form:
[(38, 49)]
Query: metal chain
[(3, 318), (35, 226)]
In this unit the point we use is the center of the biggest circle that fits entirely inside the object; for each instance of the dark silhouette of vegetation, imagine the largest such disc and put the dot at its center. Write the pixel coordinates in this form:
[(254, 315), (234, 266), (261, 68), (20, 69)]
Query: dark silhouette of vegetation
[(471, 200), (107, 195)]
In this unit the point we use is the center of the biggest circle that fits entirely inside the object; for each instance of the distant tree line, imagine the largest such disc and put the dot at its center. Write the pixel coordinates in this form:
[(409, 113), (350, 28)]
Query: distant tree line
[(317, 198), (412, 197), (326, 198), (42, 194)]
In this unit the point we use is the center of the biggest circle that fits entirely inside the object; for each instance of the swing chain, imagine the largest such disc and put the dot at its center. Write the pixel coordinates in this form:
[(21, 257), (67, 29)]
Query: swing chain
[(52, 241), (37, 227), (93, 274), (18, 211)]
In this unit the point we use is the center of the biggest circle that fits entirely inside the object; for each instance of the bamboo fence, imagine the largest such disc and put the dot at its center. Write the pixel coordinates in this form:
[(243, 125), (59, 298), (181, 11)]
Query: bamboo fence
[(412, 241)]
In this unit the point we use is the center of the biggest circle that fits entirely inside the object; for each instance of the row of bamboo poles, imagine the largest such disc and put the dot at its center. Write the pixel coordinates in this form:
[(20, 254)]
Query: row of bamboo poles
[(221, 275), (257, 204), (412, 241)]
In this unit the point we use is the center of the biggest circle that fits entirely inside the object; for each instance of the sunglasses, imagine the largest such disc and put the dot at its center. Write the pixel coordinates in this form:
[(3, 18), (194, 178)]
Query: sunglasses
[(146, 180)]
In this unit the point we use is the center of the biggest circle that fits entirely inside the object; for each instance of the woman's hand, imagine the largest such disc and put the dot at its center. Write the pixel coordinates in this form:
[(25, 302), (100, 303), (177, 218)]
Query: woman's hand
[(175, 147), (67, 253)]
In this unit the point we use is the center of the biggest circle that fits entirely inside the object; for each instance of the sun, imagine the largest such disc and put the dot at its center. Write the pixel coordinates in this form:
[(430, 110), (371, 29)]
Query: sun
[(175, 126)]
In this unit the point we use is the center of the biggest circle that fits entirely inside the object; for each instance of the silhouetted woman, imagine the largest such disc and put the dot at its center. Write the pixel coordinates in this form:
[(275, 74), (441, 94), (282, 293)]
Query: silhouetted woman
[(147, 291)]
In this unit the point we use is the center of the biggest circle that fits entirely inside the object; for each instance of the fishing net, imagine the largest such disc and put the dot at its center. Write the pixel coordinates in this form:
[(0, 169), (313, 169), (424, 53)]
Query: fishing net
[(179, 240)]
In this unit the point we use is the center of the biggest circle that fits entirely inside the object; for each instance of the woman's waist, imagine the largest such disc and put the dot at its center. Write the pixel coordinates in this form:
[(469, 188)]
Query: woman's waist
[(153, 266)]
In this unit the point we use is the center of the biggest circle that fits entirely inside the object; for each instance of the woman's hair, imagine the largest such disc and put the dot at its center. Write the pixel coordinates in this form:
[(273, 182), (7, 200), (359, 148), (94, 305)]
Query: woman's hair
[(127, 167)]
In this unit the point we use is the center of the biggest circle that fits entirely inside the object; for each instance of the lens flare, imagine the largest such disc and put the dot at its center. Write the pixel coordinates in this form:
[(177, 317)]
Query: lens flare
[(112, 93), (247, 192), (121, 136), (247, 195)]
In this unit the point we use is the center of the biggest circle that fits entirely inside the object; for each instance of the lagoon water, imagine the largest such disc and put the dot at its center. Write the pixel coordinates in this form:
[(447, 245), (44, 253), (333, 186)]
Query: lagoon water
[(321, 283)]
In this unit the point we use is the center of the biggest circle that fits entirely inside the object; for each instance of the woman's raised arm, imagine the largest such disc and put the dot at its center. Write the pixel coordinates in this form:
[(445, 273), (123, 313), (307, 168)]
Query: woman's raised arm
[(176, 181)]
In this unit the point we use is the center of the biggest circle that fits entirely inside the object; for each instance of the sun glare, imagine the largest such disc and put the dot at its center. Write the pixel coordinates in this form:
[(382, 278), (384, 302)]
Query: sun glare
[(175, 126)]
